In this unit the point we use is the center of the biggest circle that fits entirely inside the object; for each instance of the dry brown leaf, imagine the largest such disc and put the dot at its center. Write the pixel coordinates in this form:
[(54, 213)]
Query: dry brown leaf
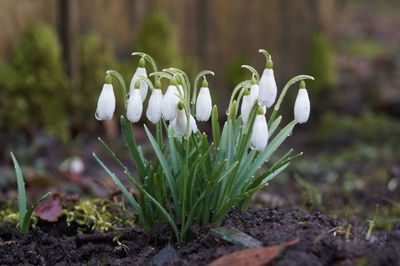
[(50, 209), (253, 256)]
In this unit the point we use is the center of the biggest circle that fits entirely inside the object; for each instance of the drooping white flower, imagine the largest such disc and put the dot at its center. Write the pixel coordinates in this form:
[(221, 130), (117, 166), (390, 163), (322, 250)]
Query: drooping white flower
[(259, 136), (154, 112), (106, 103), (302, 105), (245, 109), (135, 105), (203, 103), (170, 101), (140, 71), (193, 125), (267, 88), (180, 122), (254, 92)]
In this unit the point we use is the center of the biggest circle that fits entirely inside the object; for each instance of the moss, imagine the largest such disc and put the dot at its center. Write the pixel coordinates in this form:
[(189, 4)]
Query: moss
[(99, 215)]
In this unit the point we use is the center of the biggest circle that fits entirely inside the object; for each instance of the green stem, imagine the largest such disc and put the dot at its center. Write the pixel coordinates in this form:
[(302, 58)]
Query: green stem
[(122, 83)]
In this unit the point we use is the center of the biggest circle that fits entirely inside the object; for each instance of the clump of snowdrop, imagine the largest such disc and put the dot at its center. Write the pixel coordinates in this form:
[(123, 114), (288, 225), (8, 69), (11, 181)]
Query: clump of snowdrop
[(193, 177)]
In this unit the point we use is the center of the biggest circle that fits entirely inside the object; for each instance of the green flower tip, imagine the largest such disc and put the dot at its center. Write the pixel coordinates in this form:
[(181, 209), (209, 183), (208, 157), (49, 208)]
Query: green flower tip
[(174, 81), (137, 85), (180, 106), (157, 85), (253, 80), (204, 83), (108, 79), (270, 63), (260, 110), (246, 92), (142, 62), (302, 84)]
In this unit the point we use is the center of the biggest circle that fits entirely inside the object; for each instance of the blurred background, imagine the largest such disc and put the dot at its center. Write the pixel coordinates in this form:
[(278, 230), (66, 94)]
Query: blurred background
[(54, 53)]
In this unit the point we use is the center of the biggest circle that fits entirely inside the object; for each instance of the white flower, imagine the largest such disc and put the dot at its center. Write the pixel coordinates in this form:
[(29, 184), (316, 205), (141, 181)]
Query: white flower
[(135, 106), (254, 92), (259, 136), (154, 112), (267, 88), (169, 102), (193, 125), (203, 103), (302, 105), (245, 109), (180, 122), (140, 71), (106, 103)]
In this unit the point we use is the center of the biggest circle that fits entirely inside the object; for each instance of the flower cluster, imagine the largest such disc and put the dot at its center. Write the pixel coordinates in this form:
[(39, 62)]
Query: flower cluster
[(170, 106), (193, 179)]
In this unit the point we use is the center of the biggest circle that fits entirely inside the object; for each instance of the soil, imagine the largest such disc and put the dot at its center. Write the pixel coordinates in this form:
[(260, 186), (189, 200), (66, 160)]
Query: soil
[(323, 241)]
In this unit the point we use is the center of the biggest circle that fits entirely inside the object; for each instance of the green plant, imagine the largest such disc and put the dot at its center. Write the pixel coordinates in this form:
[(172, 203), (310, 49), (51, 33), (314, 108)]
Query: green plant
[(24, 214), (34, 83), (192, 180)]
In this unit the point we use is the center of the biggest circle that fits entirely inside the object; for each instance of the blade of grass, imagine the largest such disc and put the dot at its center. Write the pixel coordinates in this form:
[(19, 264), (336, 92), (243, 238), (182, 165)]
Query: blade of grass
[(28, 215), (21, 190)]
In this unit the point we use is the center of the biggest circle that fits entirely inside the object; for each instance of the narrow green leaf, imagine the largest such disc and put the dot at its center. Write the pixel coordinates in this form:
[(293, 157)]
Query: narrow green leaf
[(274, 125), (28, 215), (21, 190), (133, 148), (164, 165), (215, 126), (156, 203), (124, 191)]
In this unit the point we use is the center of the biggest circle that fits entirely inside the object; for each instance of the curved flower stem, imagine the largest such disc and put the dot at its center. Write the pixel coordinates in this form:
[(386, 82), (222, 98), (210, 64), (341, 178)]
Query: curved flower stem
[(195, 85), (235, 90), (161, 74), (265, 53), (148, 81), (252, 70), (122, 83), (284, 91), (148, 58)]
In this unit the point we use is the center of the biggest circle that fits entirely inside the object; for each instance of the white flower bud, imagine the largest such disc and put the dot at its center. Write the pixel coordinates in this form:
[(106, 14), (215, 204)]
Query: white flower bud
[(259, 136), (193, 125), (135, 106), (245, 109), (140, 71), (169, 103), (180, 122), (203, 103), (106, 103), (267, 88), (154, 112), (302, 105)]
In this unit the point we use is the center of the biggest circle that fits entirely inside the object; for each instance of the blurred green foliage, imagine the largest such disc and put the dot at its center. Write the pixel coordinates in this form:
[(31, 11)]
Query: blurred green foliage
[(370, 49), (322, 65), (157, 38), (234, 73), (94, 61), (34, 91), (370, 128)]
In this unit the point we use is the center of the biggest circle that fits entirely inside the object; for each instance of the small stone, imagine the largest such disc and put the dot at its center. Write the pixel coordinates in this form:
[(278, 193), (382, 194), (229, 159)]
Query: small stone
[(236, 237), (166, 254)]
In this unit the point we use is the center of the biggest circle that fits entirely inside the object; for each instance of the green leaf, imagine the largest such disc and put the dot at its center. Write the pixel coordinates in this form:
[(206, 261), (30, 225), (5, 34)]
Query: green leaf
[(124, 191), (21, 190), (28, 215), (215, 126), (164, 165), (133, 148), (274, 125), (157, 204)]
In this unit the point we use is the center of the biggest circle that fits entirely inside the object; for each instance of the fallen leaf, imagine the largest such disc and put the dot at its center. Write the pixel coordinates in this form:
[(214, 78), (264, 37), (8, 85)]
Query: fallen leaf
[(253, 256), (50, 209)]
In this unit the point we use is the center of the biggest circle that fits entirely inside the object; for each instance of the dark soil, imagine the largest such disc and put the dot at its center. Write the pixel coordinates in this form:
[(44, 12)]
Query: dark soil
[(323, 241)]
